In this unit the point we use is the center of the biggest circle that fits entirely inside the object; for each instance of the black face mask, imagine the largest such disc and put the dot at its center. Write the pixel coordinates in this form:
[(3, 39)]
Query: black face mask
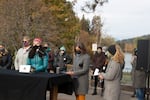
[(2, 50), (45, 48), (35, 47), (78, 52)]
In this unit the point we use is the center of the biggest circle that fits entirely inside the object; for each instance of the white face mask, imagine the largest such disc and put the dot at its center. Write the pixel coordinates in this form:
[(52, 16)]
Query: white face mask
[(62, 52), (99, 51), (109, 55)]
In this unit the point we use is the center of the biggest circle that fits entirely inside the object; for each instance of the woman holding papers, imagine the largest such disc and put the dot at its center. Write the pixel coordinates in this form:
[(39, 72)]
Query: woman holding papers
[(113, 73), (80, 72)]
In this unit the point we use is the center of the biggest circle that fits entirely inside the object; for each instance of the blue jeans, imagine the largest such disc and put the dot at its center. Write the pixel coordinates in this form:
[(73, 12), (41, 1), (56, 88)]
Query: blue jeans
[(140, 93)]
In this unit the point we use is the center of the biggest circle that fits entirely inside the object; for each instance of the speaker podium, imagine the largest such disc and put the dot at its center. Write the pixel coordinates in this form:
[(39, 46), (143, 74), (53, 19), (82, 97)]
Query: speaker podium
[(143, 55), (143, 61)]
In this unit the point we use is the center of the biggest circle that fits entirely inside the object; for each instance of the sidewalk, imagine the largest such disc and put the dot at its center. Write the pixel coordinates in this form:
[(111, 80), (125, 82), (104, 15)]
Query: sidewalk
[(125, 95)]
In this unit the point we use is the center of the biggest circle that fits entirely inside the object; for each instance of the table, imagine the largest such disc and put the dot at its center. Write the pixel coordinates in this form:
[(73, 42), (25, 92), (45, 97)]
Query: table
[(33, 86)]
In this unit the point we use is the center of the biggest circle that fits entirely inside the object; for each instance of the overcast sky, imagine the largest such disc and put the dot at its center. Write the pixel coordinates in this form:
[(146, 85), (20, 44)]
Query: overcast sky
[(122, 19)]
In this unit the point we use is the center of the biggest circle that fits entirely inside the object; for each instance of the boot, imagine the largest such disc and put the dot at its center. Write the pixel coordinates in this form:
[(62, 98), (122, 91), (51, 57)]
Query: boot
[(102, 92), (94, 92), (134, 94)]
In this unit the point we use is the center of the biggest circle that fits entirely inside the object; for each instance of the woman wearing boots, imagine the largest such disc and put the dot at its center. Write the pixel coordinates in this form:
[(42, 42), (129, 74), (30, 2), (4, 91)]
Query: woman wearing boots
[(80, 72), (98, 62)]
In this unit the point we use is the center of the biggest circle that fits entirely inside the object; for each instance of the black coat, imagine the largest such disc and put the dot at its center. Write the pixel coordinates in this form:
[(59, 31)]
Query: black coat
[(5, 61), (61, 61)]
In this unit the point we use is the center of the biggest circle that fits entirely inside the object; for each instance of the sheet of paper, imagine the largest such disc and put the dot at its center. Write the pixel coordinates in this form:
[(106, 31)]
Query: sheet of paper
[(25, 68), (96, 72)]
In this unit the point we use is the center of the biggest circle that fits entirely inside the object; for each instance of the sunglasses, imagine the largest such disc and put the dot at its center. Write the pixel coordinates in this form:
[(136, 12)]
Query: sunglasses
[(24, 41)]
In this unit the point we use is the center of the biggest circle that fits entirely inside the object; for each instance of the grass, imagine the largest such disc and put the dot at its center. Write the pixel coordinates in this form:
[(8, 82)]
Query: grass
[(126, 79)]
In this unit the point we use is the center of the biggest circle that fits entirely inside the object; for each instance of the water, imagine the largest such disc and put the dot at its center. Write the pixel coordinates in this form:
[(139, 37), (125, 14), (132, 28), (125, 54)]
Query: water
[(128, 65)]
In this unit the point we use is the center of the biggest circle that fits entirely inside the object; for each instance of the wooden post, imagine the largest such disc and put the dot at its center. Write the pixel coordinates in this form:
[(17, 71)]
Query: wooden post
[(54, 93)]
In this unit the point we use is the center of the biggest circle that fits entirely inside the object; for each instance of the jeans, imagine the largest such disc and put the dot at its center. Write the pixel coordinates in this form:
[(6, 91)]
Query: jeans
[(140, 93)]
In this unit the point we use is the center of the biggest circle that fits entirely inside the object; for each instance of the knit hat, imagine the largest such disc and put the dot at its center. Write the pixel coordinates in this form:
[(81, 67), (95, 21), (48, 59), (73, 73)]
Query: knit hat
[(63, 48), (112, 49), (99, 47), (38, 40)]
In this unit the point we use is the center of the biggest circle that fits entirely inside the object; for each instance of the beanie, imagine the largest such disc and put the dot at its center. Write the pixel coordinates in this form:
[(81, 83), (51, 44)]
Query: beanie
[(112, 49), (38, 40), (99, 47), (63, 48)]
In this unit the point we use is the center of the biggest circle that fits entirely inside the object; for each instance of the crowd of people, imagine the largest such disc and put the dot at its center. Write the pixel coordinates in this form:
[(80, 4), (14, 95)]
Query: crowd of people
[(110, 63), (39, 55)]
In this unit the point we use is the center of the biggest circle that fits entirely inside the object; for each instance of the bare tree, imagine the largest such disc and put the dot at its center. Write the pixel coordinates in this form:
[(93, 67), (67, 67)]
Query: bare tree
[(96, 29)]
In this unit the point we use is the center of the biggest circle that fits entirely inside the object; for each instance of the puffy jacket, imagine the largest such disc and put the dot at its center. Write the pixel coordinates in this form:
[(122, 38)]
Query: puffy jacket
[(39, 63)]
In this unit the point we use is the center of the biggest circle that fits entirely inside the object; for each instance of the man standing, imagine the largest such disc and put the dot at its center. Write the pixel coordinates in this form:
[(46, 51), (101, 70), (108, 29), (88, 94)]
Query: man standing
[(22, 53), (98, 62)]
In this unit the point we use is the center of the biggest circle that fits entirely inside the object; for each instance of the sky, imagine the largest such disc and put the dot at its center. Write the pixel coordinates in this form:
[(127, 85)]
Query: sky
[(122, 19)]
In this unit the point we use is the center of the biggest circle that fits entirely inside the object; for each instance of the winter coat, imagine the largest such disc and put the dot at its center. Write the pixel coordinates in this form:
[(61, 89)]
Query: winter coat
[(139, 79), (99, 60), (6, 61), (81, 73), (39, 63), (50, 59), (112, 78), (138, 76), (61, 61), (21, 57)]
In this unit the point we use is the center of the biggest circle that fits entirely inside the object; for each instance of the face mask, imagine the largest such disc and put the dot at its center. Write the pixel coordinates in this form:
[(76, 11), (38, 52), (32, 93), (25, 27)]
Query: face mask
[(2, 50), (45, 48), (62, 52), (108, 55), (35, 47), (99, 51), (25, 43), (78, 52)]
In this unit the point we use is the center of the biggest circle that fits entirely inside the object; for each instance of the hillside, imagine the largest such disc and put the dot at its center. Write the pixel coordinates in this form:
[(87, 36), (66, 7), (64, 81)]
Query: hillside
[(136, 38), (129, 44)]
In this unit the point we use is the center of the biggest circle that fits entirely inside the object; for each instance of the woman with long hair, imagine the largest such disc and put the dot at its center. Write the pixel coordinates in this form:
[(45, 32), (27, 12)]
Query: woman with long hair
[(80, 72), (113, 73)]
